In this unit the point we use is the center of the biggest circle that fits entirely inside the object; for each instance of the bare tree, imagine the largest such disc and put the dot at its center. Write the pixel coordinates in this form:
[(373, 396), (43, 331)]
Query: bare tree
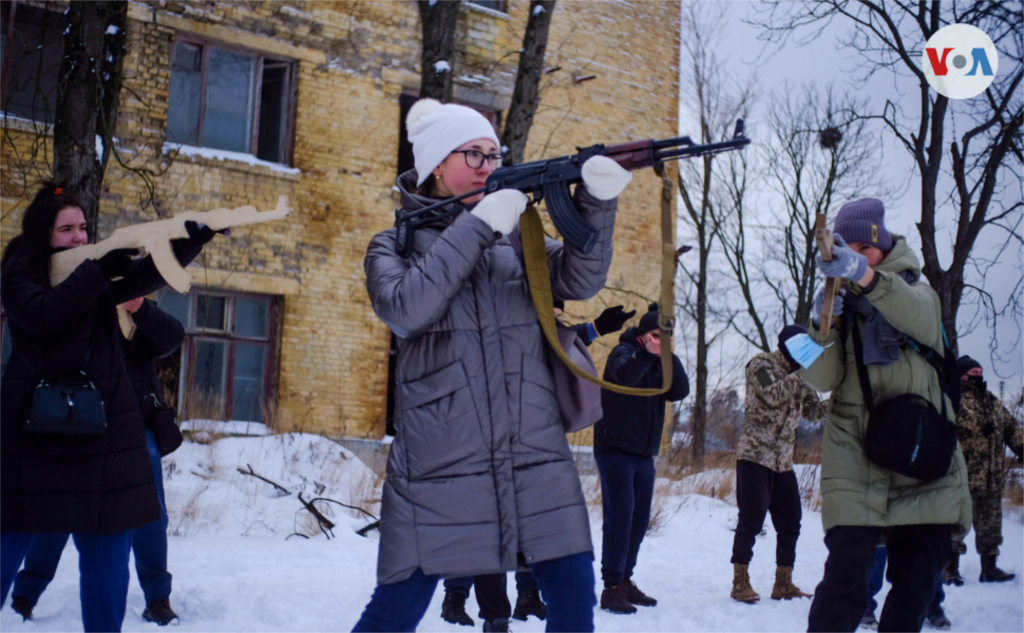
[(817, 156), (887, 37), (89, 89), (717, 103), (526, 95), (437, 20)]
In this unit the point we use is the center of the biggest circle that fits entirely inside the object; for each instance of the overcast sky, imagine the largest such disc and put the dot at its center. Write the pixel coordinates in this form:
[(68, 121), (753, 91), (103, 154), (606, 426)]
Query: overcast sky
[(823, 61)]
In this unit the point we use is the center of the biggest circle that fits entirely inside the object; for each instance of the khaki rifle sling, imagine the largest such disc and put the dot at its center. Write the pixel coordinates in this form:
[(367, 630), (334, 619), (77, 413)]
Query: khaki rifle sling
[(539, 276)]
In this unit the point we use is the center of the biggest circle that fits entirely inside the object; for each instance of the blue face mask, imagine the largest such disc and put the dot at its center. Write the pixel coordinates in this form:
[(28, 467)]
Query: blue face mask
[(804, 350)]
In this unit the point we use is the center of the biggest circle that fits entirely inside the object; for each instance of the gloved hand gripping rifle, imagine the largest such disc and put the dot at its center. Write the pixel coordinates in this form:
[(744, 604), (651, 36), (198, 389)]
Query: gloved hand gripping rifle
[(550, 179)]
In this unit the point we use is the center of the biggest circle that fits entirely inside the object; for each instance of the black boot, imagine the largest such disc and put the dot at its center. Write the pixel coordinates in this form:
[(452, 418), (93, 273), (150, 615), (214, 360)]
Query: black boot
[(991, 573), (159, 611), (22, 607), (951, 574), (938, 620), (529, 603), (497, 625), (453, 609)]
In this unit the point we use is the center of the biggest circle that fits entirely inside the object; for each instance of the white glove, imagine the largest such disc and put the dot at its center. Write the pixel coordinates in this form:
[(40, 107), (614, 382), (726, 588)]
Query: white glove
[(604, 178), (501, 209)]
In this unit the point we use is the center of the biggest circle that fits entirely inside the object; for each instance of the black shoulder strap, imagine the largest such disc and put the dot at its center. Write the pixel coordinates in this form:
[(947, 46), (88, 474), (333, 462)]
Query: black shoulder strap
[(862, 368)]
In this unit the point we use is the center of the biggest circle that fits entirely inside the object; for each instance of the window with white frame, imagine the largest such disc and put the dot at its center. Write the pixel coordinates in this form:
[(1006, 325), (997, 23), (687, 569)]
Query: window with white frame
[(227, 366), (32, 45), (230, 99)]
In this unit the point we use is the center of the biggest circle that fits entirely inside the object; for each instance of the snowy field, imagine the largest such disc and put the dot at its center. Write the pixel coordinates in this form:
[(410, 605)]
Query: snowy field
[(234, 570)]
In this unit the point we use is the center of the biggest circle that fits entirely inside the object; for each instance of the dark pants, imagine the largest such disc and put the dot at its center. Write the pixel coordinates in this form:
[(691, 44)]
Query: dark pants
[(760, 490), (627, 488), (103, 570), (878, 576), (988, 520), (149, 544), (566, 584), (917, 553), (492, 591)]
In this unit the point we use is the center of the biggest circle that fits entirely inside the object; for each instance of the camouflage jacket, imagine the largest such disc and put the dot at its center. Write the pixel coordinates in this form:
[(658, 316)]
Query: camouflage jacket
[(772, 413), (986, 428)]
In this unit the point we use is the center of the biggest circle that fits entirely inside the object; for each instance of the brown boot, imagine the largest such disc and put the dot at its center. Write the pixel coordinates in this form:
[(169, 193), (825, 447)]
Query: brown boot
[(784, 588), (741, 589), (614, 599)]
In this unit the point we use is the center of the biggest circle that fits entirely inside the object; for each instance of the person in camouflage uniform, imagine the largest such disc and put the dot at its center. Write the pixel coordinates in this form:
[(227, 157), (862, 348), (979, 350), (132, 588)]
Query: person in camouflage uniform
[(776, 398), (985, 429)]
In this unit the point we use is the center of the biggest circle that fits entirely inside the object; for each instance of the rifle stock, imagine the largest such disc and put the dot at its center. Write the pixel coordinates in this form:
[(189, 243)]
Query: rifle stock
[(824, 240)]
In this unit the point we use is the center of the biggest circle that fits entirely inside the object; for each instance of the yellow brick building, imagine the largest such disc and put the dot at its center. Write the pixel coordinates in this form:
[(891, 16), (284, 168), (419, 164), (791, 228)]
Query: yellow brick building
[(279, 317)]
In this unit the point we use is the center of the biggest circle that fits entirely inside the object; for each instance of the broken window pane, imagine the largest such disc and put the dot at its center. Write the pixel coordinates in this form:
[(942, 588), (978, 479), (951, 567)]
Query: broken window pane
[(273, 108)]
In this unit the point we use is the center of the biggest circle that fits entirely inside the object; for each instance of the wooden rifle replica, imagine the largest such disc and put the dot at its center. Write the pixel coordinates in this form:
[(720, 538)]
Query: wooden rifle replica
[(823, 238), (550, 179), (154, 239)]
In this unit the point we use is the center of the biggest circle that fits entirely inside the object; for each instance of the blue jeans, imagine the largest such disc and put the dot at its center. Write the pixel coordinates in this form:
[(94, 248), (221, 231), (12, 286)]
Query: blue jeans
[(627, 489), (878, 575), (566, 585), (103, 570), (149, 543)]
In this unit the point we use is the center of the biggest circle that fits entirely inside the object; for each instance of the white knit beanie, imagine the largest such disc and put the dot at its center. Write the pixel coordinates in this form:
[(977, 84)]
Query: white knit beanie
[(436, 130)]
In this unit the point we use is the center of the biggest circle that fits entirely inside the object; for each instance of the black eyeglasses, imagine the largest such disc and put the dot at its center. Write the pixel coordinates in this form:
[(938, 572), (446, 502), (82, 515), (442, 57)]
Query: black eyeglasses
[(475, 158)]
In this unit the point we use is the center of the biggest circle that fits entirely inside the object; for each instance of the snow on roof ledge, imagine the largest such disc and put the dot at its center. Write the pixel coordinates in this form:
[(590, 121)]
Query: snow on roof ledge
[(223, 154)]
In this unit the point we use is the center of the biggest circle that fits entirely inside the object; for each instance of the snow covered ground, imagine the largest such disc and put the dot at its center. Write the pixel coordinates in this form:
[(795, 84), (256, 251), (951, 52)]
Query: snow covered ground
[(234, 570)]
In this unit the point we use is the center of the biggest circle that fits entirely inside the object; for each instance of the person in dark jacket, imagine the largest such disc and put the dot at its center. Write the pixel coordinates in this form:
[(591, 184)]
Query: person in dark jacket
[(96, 488), (480, 476), (626, 441), (492, 589), (157, 335)]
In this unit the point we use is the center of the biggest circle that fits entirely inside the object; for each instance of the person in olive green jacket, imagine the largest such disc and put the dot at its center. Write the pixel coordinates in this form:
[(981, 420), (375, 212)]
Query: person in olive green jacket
[(863, 503)]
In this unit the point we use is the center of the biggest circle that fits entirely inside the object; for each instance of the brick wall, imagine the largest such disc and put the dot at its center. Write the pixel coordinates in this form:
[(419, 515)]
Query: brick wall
[(354, 59)]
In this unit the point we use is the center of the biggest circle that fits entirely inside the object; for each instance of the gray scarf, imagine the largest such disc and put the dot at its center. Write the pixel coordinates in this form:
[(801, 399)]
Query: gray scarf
[(882, 342)]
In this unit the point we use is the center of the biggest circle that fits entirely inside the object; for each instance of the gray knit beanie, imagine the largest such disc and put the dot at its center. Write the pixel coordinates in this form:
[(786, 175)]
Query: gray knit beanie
[(863, 222)]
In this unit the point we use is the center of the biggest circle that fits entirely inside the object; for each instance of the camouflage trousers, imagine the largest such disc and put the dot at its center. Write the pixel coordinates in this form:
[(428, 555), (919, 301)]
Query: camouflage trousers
[(988, 523)]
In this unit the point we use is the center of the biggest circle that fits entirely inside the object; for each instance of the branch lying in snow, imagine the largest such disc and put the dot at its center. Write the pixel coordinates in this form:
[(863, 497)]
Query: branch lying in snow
[(373, 526), (325, 524), (252, 473)]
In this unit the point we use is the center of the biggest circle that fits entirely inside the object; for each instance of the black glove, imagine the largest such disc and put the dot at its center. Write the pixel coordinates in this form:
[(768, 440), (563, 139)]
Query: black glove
[(200, 235), (612, 320), (857, 303), (117, 262)]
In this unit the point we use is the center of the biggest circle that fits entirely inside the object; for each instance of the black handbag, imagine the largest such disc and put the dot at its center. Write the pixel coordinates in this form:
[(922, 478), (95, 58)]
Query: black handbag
[(163, 423), (906, 434), (72, 406)]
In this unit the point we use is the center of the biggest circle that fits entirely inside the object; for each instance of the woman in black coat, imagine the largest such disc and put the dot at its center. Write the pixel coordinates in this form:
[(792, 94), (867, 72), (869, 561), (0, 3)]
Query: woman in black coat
[(97, 488)]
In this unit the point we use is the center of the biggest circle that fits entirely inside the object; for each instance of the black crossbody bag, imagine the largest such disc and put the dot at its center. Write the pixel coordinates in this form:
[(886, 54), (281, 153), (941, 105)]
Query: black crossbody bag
[(68, 406), (906, 434)]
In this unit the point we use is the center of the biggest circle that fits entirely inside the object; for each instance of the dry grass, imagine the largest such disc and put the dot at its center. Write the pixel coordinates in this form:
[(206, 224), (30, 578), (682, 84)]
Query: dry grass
[(1013, 493)]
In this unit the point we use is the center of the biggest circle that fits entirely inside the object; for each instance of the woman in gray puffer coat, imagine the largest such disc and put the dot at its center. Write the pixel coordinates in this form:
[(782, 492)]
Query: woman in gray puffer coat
[(480, 478)]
